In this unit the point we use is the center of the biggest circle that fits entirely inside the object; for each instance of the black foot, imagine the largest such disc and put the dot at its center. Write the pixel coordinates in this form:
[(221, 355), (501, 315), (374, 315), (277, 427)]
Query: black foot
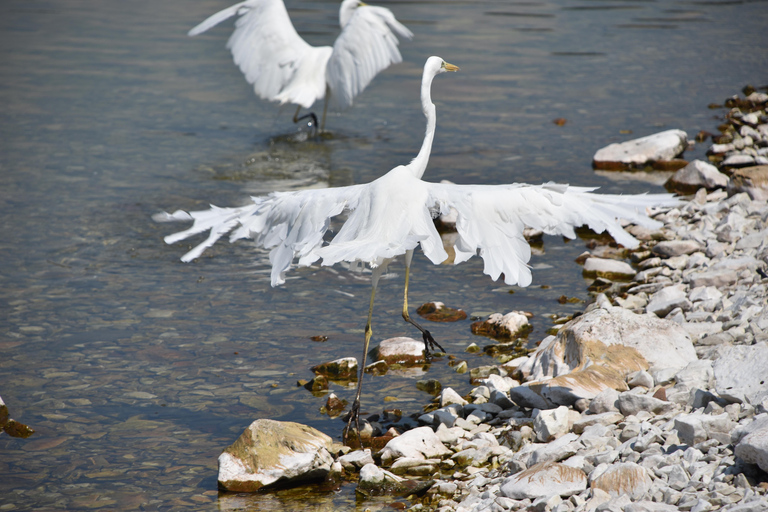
[(354, 415), (312, 124), (429, 343)]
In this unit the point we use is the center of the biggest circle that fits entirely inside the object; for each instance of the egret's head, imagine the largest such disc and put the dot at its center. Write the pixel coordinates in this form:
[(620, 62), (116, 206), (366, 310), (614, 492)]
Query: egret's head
[(436, 65), (347, 9)]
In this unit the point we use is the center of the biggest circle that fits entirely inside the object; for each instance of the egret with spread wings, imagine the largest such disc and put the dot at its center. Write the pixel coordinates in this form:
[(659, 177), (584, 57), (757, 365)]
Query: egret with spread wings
[(283, 67), (394, 214)]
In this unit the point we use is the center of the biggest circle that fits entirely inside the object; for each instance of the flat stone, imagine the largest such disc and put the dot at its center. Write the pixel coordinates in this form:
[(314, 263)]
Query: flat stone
[(740, 373), (671, 248), (544, 479), (401, 350), (419, 442), (661, 146), (608, 268), (622, 479), (274, 452), (716, 278), (606, 418), (632, 403)]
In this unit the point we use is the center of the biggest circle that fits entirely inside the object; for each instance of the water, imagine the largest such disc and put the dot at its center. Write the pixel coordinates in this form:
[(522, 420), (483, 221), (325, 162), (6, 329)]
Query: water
[(137, 370)]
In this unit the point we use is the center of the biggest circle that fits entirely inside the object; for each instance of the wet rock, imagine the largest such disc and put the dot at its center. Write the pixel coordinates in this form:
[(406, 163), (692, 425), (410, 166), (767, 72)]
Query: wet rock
[(340, 369), (697, 174), (274, 452), (354, 461), (12, 427), (545, 479), (419, 442), (375, 481), (439, 312), (752, 180), (663, 146), (741, 375), (401, 350), (503, 327), (608, 268), (623, 479), (334, 405)]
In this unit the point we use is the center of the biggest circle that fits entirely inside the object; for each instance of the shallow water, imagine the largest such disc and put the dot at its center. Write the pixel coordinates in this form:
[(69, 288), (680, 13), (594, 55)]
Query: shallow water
[(137, 370)]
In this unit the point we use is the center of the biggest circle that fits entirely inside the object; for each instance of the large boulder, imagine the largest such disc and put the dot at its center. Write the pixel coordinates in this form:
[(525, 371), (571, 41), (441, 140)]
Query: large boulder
[(274, 452), (697, 174), (659, 147), (751, 442), (740, 373), (752, 180)]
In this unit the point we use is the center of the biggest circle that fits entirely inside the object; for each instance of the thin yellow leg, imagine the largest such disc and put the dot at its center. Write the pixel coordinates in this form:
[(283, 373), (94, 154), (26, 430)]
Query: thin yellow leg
[(429, 341), (355, 412), (296, 115), (325, 109)]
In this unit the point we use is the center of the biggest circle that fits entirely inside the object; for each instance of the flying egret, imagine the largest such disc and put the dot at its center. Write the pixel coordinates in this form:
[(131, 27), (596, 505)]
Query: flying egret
[(283, 67), (393, 214)]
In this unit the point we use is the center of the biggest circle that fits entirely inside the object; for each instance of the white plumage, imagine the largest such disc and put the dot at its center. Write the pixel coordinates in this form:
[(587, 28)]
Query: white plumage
[(283, 67), (393, 214)]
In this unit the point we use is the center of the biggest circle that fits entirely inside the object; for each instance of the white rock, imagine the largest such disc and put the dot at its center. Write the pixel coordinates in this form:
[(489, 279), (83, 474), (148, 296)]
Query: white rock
[(662, 343), (626, 478), (716, 278), (741, 375), (419, 442), (606, 401), (551, 424), (672, 248), (608, 268), (544, 480), (657, 147), (667, 299), (697, 428), (631, 403), (449, 396), (356, 459), (270, 452), (499, 383), (400, 350), (699, 174), (640, 378), (704, 294), (751, 441), (605, 418), (373, 475), (556, 450)]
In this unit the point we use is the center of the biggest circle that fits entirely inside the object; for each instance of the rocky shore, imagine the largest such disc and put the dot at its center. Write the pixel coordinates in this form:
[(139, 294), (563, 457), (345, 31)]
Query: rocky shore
[(655, 398)]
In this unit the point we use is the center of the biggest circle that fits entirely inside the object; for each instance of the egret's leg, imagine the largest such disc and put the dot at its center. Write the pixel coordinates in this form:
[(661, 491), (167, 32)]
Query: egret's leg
[(311, 115), (429, 341), (354, 413), (325, 109)]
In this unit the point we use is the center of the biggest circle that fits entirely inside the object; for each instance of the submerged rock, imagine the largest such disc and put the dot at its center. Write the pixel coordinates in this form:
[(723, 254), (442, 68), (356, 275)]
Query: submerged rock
[(274, 452), (439, 312), (345, 368), (503, 327), (401, 350)]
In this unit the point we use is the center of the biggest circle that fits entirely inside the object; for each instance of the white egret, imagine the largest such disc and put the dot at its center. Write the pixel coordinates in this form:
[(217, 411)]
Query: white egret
[(283, 67), (393, 214)]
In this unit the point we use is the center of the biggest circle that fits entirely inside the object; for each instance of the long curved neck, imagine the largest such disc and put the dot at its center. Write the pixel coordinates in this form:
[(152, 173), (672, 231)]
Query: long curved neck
[(419, 164)]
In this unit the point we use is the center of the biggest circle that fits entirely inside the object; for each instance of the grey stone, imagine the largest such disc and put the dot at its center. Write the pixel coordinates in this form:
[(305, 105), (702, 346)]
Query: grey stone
[(740, 373), (668, 249), (667, 299), (606, 401), (697, 174), (631, 403)]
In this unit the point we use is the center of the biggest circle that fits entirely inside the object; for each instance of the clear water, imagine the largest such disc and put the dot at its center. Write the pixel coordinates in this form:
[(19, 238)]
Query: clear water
[(137, 370)]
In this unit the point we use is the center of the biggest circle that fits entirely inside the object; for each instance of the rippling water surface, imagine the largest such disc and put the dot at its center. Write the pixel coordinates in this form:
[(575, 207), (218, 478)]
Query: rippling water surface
[(137, 370)]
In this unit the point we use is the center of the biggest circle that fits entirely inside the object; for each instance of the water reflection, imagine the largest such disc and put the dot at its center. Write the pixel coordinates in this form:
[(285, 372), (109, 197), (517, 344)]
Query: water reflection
[(136, 370)]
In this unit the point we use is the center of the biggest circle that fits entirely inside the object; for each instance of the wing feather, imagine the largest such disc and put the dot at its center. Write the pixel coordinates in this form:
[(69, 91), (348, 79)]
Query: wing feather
[(291, 224), (367, 45), (491, 219)]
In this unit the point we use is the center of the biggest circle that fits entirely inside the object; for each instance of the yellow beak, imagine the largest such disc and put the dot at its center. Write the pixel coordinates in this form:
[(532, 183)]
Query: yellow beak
[(450, 67)]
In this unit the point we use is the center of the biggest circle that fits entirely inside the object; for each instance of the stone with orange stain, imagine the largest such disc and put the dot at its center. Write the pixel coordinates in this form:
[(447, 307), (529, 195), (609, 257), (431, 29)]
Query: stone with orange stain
[(626, 478), (545, 479)]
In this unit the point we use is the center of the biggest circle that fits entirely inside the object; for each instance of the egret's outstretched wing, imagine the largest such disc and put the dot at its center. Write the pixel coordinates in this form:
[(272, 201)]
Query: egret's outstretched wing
[(291, 224), (366, 46), (271, 54), (491, 219)]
